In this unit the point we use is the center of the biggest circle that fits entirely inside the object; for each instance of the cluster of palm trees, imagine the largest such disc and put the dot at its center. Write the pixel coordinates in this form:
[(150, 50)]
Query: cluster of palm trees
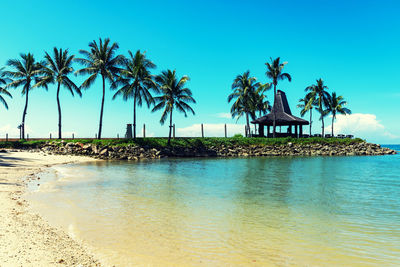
[(325, 103), (130, 76), (249, 97)]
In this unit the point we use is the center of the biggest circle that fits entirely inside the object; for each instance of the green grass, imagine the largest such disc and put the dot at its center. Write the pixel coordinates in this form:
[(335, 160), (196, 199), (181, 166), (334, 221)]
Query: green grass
[(186, 142)]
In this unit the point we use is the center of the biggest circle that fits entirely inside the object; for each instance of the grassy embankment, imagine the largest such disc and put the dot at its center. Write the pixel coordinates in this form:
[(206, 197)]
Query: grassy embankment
[(185, 142)]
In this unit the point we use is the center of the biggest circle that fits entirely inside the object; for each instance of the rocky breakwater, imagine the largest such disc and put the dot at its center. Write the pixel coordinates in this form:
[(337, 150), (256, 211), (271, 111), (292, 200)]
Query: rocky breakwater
[(134, 152)]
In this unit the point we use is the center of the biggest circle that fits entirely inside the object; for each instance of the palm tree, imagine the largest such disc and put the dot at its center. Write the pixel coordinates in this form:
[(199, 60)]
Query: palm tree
[(306, 106), (319, 96), (56, 70), (336, 105), (26, 70), (101, 60), (174, 94), (3, 89), (262, 105), (260, 102), (136, 82), (274, 72), (244, 88)]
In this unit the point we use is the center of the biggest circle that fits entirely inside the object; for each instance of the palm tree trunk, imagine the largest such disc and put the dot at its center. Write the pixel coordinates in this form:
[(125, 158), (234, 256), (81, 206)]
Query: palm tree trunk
[(102, 108), (310, 120), (248, 125), (333, 120), (170, 128), (274, 117), (134, 117), (323, 125), (59, 111), (24, 114)]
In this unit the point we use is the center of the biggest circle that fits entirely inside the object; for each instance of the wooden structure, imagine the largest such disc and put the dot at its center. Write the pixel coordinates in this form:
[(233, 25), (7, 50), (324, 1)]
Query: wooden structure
[(283, 117)]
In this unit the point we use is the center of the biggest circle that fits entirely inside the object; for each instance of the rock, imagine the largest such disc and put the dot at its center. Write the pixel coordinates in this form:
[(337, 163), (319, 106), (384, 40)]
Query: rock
[(104, 152)]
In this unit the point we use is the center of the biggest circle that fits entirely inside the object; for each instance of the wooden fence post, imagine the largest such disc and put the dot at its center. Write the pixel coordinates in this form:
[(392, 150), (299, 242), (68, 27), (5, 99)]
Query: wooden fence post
[(202, 131), (50, 135), (95, 136), (173, 130), (27, 136), (6, 137), (225, 131), (117, 136), (144, 130), (73, 136)]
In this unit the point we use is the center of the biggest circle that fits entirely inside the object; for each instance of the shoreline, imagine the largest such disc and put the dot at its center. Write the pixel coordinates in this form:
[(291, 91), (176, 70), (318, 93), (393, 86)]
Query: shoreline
[(27, 238), (137, 152)]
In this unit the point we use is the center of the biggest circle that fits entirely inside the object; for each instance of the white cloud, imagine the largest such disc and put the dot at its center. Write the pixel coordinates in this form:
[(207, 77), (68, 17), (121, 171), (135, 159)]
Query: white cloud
[(361, 125), (224, 115), (210, 130)]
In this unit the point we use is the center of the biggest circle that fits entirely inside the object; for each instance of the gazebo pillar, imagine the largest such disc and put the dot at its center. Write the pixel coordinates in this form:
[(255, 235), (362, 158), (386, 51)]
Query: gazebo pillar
[(261, 130), (301, 130), (268, 131), (295, 131)]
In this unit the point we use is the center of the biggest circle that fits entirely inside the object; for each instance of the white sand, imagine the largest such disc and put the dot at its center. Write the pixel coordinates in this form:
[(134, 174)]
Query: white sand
[(26, 239)]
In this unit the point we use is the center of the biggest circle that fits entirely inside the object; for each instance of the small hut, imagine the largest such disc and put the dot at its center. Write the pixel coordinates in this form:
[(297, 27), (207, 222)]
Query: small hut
[(283, 117)]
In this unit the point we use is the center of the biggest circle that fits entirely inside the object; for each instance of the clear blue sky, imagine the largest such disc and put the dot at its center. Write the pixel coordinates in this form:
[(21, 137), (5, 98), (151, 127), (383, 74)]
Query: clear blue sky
[(352, 45)]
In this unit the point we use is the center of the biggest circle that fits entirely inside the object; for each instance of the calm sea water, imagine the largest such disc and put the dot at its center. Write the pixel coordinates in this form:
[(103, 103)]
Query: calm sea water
[(302, 211)]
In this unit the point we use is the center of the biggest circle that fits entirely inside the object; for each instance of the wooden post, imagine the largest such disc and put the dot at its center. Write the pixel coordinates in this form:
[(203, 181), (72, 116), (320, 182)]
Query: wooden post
[(117, 136), (268, 131), (95, 135), (73, 136), (6, 137), (245, 130), (173, 130), (226, 135), (261, 130), (50, 135), (144, 130), (301, 131), (202, 131), (27, 136), (295, 131)]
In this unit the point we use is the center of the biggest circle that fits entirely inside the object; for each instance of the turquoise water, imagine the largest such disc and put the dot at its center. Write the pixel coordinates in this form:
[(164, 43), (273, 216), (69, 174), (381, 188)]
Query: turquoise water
[(303, 211)]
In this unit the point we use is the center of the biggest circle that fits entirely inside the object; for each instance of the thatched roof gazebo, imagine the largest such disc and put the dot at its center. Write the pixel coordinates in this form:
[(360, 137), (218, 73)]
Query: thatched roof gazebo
[(283, 117)]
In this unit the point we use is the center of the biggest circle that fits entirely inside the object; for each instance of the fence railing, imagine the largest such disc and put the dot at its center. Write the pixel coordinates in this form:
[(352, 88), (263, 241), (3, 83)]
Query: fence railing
[(202, 132)]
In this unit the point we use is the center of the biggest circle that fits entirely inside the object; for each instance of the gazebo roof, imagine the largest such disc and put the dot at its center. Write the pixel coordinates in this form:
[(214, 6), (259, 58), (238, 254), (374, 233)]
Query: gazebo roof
[(282, 112)]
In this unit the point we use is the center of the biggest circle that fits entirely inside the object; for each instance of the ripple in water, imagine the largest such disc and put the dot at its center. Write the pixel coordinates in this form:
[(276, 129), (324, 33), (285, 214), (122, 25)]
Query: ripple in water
[(310, 211)]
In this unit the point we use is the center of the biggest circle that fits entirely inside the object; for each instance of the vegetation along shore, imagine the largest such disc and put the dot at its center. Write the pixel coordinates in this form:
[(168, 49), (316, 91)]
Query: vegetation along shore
[(154, 148)]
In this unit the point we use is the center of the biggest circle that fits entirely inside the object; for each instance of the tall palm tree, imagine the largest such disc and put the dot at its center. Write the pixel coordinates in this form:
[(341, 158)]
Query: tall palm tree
[(3, 89), (57, 70), (262, 105), (260, 102), (319, 97), (101, 60), (306, 107), (336, 105), (25, 72), (136, 82), (275, 73), (244, 87), (174, 94)]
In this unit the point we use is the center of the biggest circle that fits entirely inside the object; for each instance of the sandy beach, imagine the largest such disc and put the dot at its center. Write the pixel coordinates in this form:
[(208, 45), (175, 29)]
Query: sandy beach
[(26, 239)]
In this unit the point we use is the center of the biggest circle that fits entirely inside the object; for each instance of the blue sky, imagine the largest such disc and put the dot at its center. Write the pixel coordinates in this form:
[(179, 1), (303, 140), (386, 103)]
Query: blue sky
[(352, 45)]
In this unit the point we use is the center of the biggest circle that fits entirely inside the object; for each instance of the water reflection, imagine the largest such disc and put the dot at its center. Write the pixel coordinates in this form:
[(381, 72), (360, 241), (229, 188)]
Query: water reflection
[(266, 211)]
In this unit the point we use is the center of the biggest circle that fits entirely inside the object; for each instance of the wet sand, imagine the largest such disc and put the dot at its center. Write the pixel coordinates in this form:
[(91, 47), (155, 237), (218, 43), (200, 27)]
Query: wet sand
[(26, 239)]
